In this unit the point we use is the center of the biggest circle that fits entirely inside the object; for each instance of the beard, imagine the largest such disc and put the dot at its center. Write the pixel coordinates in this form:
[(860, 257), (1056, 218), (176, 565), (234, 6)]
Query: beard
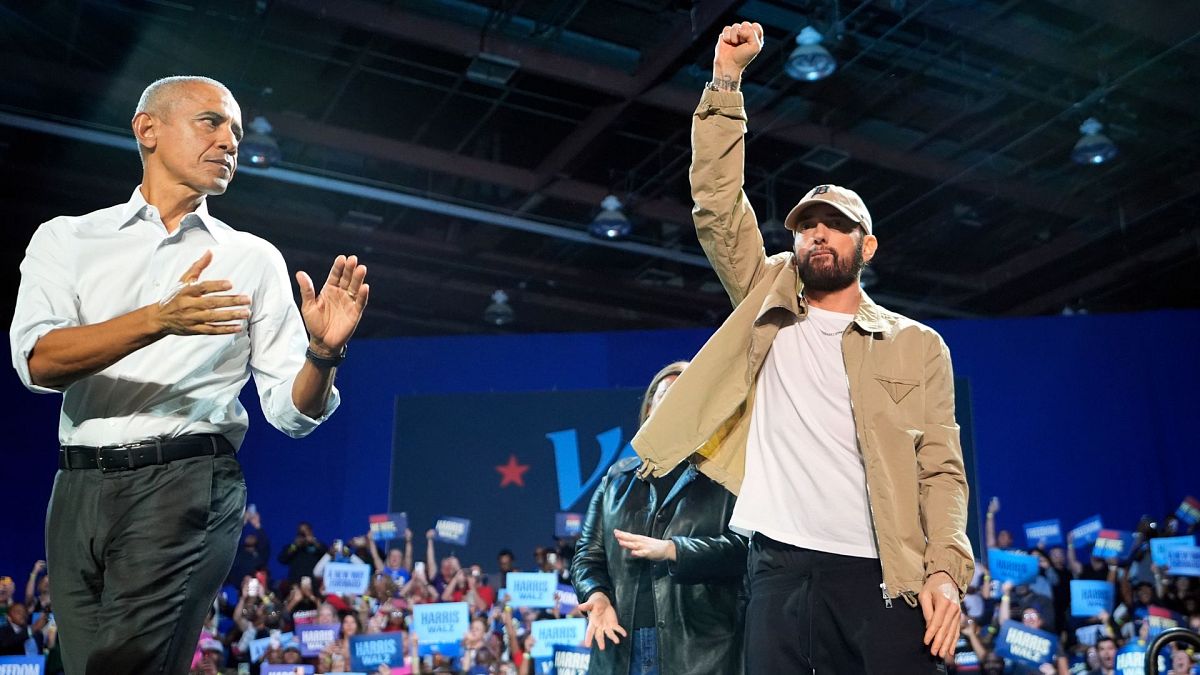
[(833, 275)]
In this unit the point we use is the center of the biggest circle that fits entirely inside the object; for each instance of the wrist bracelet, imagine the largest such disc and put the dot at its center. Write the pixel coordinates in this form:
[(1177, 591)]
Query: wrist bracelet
[(325, 361)]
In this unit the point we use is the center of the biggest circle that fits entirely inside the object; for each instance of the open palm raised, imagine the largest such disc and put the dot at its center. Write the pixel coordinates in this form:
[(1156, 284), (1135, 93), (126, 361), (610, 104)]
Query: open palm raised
[(332, 315)]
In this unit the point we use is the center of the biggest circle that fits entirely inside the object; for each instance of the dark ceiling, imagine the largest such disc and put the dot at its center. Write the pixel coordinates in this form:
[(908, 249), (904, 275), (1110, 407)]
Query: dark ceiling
[(955, 120)]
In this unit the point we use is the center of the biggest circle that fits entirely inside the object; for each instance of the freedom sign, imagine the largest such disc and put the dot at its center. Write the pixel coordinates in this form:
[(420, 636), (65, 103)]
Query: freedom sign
[(441, 623), (550, 632), (1160, 545), (1022, 643), (22, 665), (1018, 568), (346, 578), (1089, 598), (386, 526), (531, 589), (368, 652), (282, 669), (1048, 532), (314, 637), (452, 530), (1086, 532)]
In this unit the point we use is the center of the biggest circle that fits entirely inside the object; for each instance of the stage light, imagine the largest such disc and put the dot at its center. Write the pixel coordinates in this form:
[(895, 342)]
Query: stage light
[(810, 61), (611, 222), (499, 313), (1094, 147), (258, 147)]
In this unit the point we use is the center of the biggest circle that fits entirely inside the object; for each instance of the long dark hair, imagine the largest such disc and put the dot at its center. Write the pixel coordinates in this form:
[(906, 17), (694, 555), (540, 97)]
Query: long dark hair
[(674, 369)]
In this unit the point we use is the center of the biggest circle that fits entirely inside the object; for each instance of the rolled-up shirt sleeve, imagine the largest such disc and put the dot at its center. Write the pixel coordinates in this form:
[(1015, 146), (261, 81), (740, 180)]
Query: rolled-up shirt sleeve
[(46, 298), (277, 344)]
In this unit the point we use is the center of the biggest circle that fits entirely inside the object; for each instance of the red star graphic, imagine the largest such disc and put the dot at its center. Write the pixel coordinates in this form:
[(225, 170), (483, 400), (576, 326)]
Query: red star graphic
[(513, 472)]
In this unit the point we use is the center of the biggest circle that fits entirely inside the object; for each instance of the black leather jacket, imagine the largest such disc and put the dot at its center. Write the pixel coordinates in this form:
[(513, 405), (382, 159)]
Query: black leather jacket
[(695, 597)]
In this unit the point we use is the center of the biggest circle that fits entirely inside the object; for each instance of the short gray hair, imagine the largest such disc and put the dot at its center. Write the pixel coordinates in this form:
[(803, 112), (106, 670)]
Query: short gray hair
[(156, 97)]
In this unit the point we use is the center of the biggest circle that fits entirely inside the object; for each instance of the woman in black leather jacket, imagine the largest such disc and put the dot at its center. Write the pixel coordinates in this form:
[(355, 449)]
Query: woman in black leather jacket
[(657, 569)]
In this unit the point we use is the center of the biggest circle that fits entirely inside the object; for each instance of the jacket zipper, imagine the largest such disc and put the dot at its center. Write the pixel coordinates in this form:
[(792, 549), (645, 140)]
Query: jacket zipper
[(887, 600)]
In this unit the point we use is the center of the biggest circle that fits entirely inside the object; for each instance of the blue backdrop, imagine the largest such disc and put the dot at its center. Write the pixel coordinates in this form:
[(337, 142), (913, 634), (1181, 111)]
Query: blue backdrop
[(1072, 416)]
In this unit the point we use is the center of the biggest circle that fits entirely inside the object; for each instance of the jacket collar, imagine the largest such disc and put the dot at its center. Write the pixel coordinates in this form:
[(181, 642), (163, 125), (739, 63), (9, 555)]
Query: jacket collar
[(689, 474)]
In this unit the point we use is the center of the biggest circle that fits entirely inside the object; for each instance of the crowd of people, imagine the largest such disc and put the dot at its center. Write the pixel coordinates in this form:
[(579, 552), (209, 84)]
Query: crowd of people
[(254, 606)]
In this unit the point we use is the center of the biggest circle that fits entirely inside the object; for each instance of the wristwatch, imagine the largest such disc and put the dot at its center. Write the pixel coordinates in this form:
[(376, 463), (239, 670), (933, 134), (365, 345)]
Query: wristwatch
[(325, 361)]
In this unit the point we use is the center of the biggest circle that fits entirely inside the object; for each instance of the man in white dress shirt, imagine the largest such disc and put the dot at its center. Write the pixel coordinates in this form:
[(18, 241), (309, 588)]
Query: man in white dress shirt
[(149, 317)]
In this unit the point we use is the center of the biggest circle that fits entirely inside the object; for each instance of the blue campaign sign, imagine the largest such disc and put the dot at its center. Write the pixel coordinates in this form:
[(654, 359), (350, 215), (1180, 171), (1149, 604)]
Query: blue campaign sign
[(1189, 510), (567, 525), (452, 530), (368, 652), (567, 599), (1088, 635), (1089, 598), (1086, 532), (1048, 532), (1160, 545), (1131, 659), (259, 647), (1113, 544), (1022, 643), (283, 669), (451, 650), (552, 632), (531, 589), (345, 578), (314, 637), (1184, 561), (1160, 619), (1018, 568), (570, 660), (22, 665), (441, 623), (387, 526)]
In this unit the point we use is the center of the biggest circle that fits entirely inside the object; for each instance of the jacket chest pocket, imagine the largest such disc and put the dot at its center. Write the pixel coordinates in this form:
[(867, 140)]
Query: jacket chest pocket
[(897, 388)]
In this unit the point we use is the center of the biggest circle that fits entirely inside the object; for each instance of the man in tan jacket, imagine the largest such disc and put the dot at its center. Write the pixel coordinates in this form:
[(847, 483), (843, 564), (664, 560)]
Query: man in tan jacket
[(831, 417)]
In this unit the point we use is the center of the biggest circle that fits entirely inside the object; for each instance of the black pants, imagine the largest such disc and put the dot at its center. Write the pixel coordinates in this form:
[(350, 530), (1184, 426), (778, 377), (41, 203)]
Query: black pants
[(816, 612), (135, 559)]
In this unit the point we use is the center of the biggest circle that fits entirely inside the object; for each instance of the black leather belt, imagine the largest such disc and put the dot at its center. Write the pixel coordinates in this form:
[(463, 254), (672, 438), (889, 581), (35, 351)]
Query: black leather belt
[(132, 456)]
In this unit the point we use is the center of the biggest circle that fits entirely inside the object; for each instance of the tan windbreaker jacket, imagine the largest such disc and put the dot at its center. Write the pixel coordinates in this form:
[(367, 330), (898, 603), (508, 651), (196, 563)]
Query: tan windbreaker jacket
[(898, 370)]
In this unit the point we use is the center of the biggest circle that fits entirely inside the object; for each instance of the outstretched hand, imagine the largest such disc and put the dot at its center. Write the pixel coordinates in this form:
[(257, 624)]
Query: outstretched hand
[(601, 621), (332, 315)]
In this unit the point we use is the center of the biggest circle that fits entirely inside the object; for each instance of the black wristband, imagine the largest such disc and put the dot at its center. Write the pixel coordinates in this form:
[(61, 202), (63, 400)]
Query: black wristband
[(325, 361)]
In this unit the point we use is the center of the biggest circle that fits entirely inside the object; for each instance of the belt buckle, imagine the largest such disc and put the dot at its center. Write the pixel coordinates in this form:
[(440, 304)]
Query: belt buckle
[(124, 450)]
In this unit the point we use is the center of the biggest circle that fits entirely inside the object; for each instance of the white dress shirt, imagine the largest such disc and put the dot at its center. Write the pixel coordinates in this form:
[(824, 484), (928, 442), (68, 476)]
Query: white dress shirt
[(88, 269)]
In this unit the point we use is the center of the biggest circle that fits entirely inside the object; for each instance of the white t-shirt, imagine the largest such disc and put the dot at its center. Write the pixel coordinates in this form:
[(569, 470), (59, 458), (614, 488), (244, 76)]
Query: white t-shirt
[(805, 484)]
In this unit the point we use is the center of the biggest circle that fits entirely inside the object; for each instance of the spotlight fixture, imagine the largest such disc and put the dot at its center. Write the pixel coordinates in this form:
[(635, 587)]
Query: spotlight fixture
[(259, 147), (499, 313), (611, 222), (1093, 147), (809, 60)]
